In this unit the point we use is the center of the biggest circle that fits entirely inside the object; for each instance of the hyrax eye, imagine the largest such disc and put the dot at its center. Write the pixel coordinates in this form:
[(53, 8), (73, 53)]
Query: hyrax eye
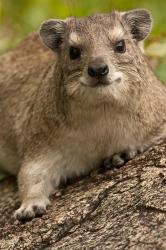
[(120, 47), (74, 52)]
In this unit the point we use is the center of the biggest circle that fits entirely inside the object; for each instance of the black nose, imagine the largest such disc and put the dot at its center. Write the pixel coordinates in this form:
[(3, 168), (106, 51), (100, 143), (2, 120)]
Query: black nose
[(98, 70)]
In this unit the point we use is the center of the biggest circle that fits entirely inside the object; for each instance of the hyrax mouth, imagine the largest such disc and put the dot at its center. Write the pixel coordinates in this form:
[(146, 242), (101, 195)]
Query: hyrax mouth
[(116, 78), (95, 83)]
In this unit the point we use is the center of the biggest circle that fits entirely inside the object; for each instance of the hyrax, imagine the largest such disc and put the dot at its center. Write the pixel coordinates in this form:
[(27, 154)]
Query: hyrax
[(91, 96)]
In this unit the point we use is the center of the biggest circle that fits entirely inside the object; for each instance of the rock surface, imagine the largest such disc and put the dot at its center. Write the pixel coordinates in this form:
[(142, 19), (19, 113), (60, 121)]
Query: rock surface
[(116, 209)]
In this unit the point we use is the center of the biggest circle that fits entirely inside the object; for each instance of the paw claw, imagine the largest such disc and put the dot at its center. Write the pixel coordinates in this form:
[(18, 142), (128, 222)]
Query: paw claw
[(107, 163), (39, 210), (31, 209), (23, 214), (118, 160)]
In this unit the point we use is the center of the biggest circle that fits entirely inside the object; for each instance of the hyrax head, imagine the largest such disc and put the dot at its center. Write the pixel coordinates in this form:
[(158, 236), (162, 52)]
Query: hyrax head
[(100, 56)]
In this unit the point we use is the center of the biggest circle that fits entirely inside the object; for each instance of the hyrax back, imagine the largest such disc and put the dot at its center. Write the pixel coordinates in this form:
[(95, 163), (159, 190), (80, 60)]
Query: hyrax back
[(93, 97)]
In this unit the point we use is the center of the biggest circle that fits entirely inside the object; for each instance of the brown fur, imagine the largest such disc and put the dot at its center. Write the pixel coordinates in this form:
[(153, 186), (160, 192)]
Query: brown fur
[(54, 124)]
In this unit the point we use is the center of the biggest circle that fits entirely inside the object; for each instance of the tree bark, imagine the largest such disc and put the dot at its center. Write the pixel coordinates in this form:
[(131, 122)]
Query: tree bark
[(115, 209)]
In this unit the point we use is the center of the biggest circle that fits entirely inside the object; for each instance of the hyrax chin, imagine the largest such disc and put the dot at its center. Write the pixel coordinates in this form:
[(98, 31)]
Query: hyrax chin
[(93, 97)]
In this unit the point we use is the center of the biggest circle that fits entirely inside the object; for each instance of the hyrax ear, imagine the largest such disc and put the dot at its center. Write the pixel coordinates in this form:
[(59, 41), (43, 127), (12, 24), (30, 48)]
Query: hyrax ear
[(52, 33), (139, 22)]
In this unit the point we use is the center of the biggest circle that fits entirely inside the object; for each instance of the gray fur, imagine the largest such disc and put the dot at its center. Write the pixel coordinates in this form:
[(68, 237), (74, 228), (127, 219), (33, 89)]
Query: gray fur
[(54, 122)]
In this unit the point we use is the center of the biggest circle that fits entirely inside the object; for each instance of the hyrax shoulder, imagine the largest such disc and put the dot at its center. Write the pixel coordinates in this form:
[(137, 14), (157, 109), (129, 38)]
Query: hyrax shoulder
[(83, 94), (22, 71)]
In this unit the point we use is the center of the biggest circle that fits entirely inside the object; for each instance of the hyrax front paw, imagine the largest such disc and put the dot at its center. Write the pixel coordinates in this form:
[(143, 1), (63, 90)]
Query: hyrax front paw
[(32, 208), (118, 160)]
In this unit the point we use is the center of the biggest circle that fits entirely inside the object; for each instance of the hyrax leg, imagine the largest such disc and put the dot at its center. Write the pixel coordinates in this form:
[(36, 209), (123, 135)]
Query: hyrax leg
[(35, 182), (119, 159)]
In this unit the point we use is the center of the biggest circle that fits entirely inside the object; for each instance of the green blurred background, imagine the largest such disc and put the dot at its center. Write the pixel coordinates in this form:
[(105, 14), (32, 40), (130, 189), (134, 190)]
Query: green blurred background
[(19, 17)]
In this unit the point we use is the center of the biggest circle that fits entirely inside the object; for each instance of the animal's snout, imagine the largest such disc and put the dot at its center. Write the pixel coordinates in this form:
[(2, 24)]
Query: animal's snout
[(98, 68)]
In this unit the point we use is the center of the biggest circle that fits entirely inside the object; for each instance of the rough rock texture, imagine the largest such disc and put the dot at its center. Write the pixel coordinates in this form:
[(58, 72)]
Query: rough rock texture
[(116, 209)]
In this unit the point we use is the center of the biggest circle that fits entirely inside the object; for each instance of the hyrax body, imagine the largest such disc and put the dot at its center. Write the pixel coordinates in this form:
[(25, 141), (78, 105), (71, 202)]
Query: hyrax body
[(92, 97)]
